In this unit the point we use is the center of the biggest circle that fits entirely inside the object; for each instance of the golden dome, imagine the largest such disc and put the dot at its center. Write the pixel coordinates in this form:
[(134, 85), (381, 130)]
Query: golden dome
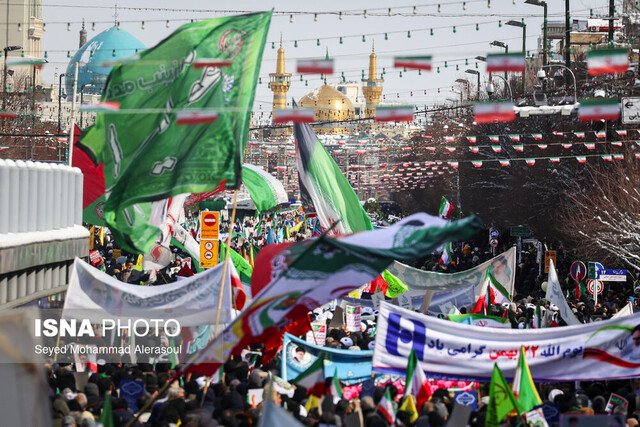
[(330, 105)]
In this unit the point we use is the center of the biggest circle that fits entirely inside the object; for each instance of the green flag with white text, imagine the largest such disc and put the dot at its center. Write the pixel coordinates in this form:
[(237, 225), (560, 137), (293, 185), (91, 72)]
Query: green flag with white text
[(162, 140)]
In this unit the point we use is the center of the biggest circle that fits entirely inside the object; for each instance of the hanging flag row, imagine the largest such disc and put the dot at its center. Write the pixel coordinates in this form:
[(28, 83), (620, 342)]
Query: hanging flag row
[(536, 136)]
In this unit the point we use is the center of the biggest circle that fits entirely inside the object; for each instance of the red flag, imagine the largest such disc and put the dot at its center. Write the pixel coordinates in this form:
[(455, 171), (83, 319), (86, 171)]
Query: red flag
[(93, 176)]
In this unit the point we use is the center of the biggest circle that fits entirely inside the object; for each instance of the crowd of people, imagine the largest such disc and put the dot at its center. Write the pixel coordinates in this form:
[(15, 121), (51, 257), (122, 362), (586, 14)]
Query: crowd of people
[(225, 400)]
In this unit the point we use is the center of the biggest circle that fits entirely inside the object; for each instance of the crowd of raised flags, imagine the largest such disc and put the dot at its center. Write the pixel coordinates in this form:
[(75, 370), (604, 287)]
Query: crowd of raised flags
[(289, 262)]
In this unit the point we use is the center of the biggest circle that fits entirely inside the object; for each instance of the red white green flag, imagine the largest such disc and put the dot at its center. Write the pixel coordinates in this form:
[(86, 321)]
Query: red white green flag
[(494, 138), (450, 149), (618, 156), (474, 149), (523, 387), (476, 163), (403, 113), (515, 138), (416, 383), (607, 61), (496, 148), (295, 115), (590, 145), (505, 162), (313, 378), (607, 157), (579, 134), (554, 159), (490, 112), (386, 408), (537, 136), (335, 389), (472, 139), (542, 146), (530, 162), (319, 66), (101, 106), (599, 109), (621, 132), (413, 62), (449, 139), (454, 164), (567, 145), (601, 134), (445, 258), (519, 148), (186, 118), (616, 143), (581, 159), (497, 62), (446, 208)]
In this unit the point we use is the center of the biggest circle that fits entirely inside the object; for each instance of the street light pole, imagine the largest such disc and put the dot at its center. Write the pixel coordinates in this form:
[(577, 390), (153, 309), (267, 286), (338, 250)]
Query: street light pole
[(82, 99), (544, 26), (522, 25), (60, 100), (575, 85), (567, 34), (477, 73)]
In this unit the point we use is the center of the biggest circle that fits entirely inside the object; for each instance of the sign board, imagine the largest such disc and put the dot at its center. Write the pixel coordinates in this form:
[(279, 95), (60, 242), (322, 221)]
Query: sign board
[(208, 253), (493, 243), (613, 275), (594, 286), (131, 390), (630, 110), (578, 270), (466, 398), (95, 258), (593, 270), (493, 233), (209, 225), (318, 333), (117, 253), (353, 318), (520, 231), (549, 255)]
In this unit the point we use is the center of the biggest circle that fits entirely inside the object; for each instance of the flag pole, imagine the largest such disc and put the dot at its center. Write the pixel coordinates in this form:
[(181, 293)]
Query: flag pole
[(226, 260), (73, 116)]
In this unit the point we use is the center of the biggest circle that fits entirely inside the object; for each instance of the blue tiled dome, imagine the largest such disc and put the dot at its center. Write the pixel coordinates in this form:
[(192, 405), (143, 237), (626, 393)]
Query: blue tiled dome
[(90, 69)]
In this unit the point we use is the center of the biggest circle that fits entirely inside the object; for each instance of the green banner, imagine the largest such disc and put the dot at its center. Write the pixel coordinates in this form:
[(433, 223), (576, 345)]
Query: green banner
[(147, 153)]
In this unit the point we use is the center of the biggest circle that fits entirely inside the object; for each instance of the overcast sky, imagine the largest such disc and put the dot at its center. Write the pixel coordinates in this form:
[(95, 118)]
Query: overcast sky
[(352, 55)]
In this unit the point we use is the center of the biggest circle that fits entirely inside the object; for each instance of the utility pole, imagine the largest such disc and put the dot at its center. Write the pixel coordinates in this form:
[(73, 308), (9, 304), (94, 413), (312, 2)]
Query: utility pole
[(612, 9)]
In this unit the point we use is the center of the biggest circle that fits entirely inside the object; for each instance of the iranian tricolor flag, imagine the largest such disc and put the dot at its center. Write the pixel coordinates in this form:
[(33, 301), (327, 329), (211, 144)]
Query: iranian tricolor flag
[(616, 143), (505, 162), (515, 138), (476, 163), (313, 378), (621, 132), (335, 389), (601, 134), (472, 139), (590, 145), (416, 381), (505, 62), (12, 115), (318, 66), (607, 61), (494, 138), (386, 408), (474, 149), (450, 149), (523, 387), (496, 148), (579, 134), (581, 159), (537, 136), (530, 162), (489, 112), (25, 60), (607, 157), (403, 113), (101, 106), (567, 145), (413, 62), (449, 138), (599, 109), (618, 156), (554, 159), (519, 148), (446, 208), (295, 115), (542, 146), (186, 118), (445, 258), (211, 62), (454, 164)]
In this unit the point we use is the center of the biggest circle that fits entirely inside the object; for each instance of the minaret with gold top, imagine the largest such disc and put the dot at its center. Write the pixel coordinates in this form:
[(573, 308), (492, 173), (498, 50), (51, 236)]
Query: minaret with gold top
[(280, 81), (372, 87)]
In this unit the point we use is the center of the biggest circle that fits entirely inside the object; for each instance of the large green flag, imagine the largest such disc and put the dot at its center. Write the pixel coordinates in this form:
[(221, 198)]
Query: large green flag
[(265, 190), (106, 417), (242, 266), (162, 142), (501, 400)]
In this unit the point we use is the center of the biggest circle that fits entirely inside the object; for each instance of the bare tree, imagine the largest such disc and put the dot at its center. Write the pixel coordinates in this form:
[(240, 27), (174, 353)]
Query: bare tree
[(602, 218)]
